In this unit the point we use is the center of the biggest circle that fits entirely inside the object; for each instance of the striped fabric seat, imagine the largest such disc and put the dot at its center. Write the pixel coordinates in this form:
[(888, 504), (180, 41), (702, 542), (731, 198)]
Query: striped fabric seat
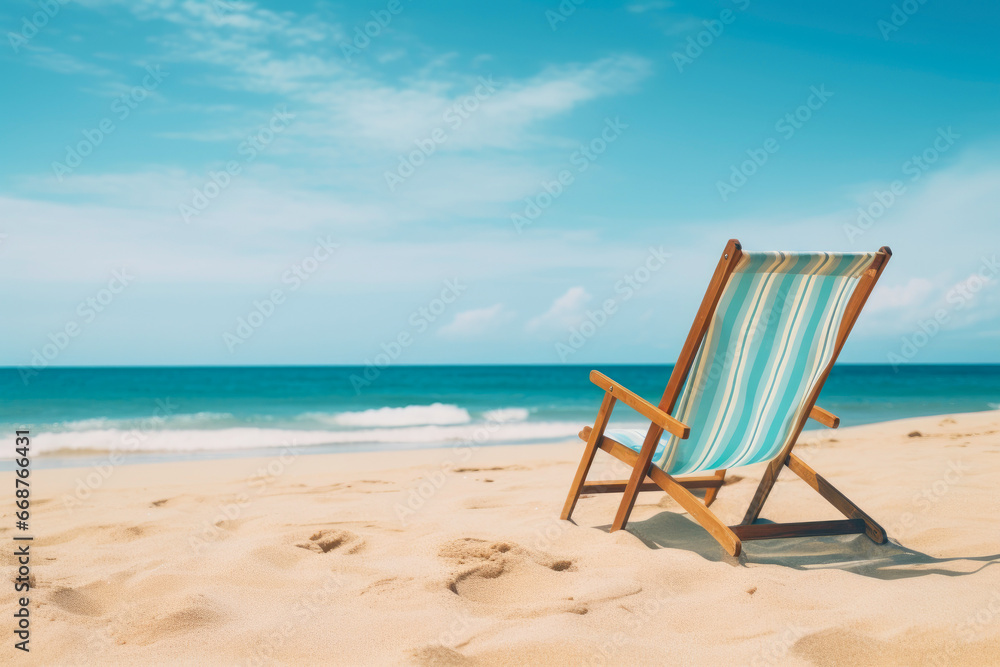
[(768, 345)]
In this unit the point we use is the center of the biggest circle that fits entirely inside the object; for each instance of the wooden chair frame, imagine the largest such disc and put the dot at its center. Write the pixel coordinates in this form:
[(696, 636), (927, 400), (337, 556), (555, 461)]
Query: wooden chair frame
[(643, 469)]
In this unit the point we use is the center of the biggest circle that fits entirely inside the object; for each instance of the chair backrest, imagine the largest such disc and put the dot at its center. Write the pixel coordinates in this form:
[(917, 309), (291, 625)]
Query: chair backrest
[(770, 342)]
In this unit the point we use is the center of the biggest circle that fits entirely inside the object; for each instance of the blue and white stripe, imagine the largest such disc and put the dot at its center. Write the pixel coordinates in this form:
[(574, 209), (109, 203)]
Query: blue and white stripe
[(771, 339)]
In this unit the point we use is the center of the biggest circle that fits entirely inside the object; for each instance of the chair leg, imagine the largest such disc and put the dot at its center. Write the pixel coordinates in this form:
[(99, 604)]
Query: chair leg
[(603, 415), (763, 491), (854, 513), (712, 492), (723, 534), (643, 462), (874, 531)]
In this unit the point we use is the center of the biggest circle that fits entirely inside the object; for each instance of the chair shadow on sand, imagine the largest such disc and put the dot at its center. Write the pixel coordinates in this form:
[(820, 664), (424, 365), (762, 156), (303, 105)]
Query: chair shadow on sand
[(850, 553)]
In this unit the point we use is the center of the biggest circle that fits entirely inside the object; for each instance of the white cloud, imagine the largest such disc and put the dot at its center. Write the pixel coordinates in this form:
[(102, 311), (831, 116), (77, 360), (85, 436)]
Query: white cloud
[(564, 312), (942, 233), (671, 23), (507, 117), (63, 63), (916, 291), (683, 24), (351, 122), (394, 117), (475, 322), (651, 5), (256, 50)]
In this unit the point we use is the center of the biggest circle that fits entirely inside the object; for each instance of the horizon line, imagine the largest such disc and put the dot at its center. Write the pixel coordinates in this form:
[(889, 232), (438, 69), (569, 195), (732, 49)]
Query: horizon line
[(451, 365)]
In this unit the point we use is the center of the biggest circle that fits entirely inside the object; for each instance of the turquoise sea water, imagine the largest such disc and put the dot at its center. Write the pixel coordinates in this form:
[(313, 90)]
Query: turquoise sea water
[(79, 415)]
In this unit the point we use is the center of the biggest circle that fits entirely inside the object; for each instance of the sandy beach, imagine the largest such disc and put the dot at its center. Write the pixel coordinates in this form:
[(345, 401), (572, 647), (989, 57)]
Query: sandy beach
[(457, 556), (307, 303)]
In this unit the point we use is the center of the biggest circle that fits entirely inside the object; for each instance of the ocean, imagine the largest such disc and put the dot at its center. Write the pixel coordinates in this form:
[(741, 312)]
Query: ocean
[(77, 416)]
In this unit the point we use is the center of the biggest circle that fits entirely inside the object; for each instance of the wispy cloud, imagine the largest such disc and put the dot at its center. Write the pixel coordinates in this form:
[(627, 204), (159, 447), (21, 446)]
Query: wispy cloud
[(476, 322), (231, 62), (63, 63), (256, 50), (565, 311), (651, 5), (393, 116), (915, 292)]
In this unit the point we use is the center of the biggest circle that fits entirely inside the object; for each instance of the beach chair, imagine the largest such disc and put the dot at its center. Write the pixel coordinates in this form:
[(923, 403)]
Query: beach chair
[(767, 333)]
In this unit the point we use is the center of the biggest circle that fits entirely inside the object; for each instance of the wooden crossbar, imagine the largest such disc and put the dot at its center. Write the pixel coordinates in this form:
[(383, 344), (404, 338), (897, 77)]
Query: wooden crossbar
[(616, 486), (619, 485), (770, 531), (836, 498)]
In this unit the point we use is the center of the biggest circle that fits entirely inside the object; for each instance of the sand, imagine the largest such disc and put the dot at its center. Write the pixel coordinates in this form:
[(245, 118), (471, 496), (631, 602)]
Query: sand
[(457, 557)]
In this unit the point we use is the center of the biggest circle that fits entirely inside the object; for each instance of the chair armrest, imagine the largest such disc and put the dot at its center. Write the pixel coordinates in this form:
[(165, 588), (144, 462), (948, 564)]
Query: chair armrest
[(823, 417), (640, 405)]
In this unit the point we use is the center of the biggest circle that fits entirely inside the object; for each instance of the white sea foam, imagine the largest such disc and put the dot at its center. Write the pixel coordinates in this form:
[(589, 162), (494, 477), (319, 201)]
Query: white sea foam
[(504, 415), (229, 439), (436, 414), (150, 422), (88, 424)]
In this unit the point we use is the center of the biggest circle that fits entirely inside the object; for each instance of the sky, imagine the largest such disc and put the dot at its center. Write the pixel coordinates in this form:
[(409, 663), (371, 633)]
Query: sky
[(211, 182)]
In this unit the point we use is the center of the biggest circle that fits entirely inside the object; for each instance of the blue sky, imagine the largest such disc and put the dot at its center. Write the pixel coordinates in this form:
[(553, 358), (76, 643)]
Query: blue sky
[(226, 182)]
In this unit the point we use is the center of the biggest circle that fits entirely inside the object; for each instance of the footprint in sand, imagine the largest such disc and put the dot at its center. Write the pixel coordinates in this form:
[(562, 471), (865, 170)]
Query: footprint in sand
[(501, 573), (132, 532), (115, 534), (80, 602), (325, 541), (175, 616), (438, 655), (373, 486), (524, 582), (390, 585), (485, 503)]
